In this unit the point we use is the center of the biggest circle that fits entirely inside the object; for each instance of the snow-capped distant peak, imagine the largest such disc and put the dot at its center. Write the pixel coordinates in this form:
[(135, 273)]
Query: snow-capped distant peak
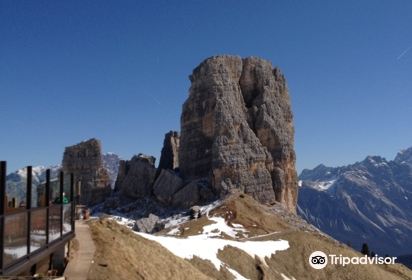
[(110, 154), (323, 185)]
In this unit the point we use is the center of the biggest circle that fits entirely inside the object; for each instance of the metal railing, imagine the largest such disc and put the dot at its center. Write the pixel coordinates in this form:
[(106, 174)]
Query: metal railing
[(39, 223)]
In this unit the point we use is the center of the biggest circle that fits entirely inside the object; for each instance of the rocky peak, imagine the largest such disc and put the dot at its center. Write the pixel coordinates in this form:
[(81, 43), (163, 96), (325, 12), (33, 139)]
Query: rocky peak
[(237, 129), (85, 161), (83, 157), (144, 158), (169, 158), (319, 171), (370, 199), (404, 156)]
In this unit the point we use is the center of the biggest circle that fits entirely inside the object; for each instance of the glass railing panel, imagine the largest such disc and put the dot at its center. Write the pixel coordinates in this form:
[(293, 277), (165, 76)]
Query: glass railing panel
[(67, 215), (38, 193), (16, 190), (38, 229), (15, 237), (54, 190), (66, 188), (54, 221)]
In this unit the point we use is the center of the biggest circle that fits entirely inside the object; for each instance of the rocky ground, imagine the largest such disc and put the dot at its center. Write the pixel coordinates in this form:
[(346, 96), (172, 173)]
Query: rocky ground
[(238, 239)]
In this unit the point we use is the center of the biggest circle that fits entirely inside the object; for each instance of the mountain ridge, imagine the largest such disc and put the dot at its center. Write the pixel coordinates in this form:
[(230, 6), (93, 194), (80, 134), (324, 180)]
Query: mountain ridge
[(364, 202)]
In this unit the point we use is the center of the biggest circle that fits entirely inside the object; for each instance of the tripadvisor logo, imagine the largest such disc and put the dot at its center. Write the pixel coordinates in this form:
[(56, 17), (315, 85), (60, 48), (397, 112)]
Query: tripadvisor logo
[(319, 260)]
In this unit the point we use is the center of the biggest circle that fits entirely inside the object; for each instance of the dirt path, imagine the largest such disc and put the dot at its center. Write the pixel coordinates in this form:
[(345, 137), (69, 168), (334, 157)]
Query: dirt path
[(78, 268)]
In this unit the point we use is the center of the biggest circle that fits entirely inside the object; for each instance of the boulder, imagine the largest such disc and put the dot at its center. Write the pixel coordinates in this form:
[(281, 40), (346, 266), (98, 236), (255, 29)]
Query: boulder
[(136, 176), (237, 131), (195, 212), (197, 191), (150, 224), (166, 185)]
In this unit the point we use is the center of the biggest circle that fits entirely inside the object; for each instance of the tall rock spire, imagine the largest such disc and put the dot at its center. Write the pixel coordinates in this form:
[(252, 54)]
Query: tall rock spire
[(237, 130)]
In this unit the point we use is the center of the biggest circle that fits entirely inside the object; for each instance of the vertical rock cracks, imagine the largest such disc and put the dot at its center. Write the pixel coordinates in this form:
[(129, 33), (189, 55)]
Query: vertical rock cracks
[(237, 130)]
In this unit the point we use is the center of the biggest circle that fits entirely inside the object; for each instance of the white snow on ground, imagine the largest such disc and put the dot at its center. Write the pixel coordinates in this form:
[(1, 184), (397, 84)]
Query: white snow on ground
[(284, 277), (170, 222), (207, 208), (237, 225), (206, 247), (236, 274), (220, 226), (122, 220), (207, 243), (175, 231), (175, 220)]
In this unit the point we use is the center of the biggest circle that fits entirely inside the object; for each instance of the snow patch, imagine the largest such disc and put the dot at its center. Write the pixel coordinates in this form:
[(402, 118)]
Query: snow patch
[(206, 245), (236, 274), (284, 277), (220, 226), (207, 248), (175, 231), (323, 185), (237, 225)]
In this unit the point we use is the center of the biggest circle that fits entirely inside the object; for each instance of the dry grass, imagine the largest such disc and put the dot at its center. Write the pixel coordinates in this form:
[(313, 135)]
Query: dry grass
[(121, 254)]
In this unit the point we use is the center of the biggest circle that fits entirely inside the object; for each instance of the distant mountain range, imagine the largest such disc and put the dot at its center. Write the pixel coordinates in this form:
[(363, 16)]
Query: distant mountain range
[(366, 202), (16, 181), (111, 163)]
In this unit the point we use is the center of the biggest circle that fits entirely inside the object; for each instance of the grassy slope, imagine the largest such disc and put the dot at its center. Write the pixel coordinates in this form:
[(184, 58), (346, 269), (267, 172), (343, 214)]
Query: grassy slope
[(129, 256), (121, 254)]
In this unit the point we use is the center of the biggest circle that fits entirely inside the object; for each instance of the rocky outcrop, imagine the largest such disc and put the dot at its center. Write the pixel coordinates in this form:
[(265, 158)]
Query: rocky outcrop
[(136, 176), (197, 191), (167, 184), (169, 158), (84, 160), (148, 225), (237, 131)]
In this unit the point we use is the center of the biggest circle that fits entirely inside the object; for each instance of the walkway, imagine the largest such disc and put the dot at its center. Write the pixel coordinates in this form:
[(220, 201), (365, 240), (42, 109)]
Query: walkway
[(78, 268)]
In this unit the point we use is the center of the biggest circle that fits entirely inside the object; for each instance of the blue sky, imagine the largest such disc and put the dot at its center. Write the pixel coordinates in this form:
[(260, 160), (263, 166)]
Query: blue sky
[(118, 71)]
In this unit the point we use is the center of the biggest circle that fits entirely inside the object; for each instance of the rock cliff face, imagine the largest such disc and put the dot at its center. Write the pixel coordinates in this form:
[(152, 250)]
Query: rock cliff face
[(136, 176), (169, 158), (237, 130), (85, 161)]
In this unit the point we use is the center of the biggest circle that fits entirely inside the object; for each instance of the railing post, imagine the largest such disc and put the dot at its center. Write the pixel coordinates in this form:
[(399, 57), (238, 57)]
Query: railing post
[(47, 204), (28, 204), (61, 202), (3, 173), (73, 203)]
